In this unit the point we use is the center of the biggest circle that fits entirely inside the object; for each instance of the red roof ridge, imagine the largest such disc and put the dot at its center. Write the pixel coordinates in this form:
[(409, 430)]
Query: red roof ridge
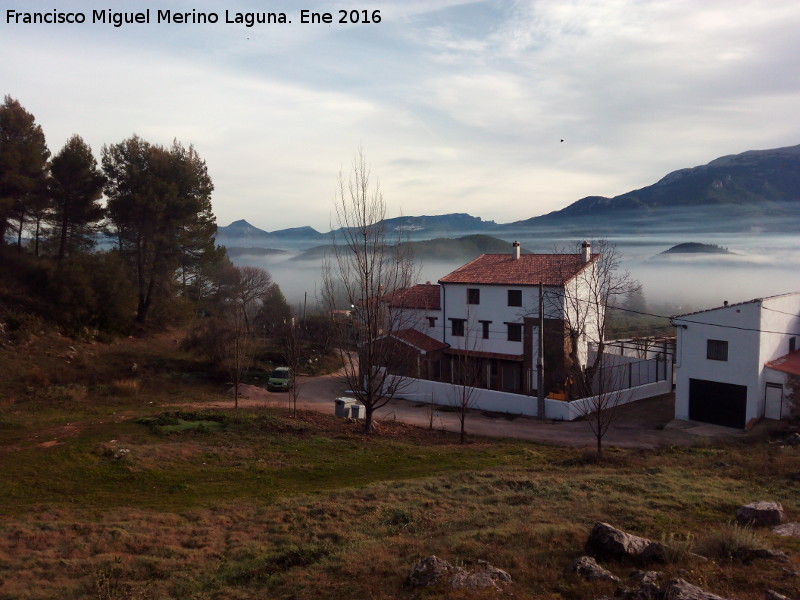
[(555, 269)]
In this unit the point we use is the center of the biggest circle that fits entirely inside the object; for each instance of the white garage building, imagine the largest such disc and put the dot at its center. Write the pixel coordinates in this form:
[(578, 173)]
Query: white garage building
[(731, 361)]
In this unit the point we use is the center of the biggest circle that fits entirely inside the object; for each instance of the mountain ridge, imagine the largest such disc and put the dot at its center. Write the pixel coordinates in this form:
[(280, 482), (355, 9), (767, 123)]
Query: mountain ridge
[(755, 189)]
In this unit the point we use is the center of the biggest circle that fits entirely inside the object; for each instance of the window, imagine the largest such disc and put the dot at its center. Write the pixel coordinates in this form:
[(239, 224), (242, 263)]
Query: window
[(515, 297), (473, 296), (485, 325), (457, 327), (431, 321), (514, 332), (717, 350)]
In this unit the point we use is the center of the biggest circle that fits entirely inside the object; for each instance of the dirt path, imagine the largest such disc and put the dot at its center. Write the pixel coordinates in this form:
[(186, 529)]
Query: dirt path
[(643, 424)]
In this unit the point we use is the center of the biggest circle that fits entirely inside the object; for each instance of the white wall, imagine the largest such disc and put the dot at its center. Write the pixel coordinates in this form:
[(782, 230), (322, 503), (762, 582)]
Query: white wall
[(493, 307), (780, 318), (445, 394), (746, 328)]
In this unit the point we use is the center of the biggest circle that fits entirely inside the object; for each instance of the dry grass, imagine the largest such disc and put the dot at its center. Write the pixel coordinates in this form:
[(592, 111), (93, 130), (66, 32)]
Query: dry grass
[(125, 387), (268, 506)]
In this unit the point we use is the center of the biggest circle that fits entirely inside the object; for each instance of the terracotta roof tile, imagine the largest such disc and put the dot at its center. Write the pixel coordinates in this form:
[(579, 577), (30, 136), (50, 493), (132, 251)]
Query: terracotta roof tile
[(789, 363), (529, 269), (419, 340), (424, 296)]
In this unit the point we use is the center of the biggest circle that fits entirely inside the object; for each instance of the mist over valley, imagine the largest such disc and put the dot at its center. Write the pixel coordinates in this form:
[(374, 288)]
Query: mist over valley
[(748, 204)]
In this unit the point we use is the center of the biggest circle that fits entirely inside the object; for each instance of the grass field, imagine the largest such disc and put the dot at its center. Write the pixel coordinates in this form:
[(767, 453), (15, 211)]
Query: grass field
[(115, 487)]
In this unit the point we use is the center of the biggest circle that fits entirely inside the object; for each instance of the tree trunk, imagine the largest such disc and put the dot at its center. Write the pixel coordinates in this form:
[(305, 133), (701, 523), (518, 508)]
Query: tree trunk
[(369, 426), (62, 247), (19, 235)]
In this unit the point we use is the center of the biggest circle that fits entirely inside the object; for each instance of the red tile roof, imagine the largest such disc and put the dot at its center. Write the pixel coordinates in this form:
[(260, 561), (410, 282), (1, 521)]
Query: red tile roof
[(419, 340), (529, 269), (789, 363), (423, 296)]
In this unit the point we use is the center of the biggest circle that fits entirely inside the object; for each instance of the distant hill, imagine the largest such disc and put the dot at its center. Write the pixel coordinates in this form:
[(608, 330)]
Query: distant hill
[(453, 222), (696, 248), (235, 252), (242, 234), (447, 249), (463, 248), (752, 189)]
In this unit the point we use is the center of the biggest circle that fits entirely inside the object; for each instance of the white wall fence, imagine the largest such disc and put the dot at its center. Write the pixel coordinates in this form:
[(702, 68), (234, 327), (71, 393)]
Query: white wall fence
[(446, 394)]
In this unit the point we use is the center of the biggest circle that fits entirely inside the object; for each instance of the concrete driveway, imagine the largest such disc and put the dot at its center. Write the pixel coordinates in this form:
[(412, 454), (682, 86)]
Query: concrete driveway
[(643, 424)]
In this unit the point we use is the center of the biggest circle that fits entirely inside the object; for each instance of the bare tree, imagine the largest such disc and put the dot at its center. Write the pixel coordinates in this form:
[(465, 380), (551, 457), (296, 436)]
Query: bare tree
[(223, 338), (466, 375), (585, 300), (252, 286), (293, 357), (236, 349), (363, 268), (599, 409)]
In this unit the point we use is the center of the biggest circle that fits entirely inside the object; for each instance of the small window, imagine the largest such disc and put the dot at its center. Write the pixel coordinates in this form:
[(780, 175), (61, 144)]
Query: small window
[(485, 325), (457, 327), (473, 296), (717, 350), (515, 297), (792, 344), (514, 332), (431, 321)]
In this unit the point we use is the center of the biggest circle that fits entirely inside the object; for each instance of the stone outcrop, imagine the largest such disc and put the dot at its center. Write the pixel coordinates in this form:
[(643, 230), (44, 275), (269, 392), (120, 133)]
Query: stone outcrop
[(607, 542), (680, 589), (432, 570), (482, 577), (761, 514), (429, 571), (787, 530), (587, 567)]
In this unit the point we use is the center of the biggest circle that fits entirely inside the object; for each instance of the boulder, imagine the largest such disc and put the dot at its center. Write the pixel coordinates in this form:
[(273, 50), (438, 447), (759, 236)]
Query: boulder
[(747, 555), (787, 529), (773, 595), (608, 542), (429, 571), (587, 567), (645, 578), (680, 589), (432, 569), (482, 577), (761, 514)]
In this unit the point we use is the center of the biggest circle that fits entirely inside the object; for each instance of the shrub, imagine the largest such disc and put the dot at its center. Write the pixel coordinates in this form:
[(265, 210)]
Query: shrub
[(678, 548), (125, 387), (732, 541)]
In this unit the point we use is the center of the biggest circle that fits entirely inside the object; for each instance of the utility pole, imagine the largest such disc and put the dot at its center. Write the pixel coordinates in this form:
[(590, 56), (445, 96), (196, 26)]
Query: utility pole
[(540, 356)]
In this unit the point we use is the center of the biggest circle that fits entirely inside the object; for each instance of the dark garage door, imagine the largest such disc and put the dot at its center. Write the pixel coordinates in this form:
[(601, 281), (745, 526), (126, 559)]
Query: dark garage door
[(718, 403)]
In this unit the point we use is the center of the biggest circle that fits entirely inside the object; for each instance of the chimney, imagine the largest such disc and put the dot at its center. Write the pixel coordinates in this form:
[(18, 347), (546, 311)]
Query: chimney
[(515, 251), (586, 251)]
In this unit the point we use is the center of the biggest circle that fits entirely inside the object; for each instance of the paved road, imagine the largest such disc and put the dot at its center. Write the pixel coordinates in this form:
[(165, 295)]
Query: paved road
[(643, 424)]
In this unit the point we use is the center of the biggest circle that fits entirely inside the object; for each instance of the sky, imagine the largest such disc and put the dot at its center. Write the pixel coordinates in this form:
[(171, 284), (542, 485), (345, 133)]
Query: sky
[(456, 106)]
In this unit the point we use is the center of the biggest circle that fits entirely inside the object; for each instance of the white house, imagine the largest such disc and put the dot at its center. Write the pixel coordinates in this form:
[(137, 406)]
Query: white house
[(732, 363), (488, 312)]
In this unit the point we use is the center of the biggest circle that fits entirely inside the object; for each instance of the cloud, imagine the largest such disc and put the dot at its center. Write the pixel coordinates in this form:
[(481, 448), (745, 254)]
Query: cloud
[(458, 105)]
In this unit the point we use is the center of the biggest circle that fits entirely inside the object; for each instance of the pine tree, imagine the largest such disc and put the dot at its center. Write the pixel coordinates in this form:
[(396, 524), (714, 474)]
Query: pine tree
[(159, 202), (23, 164), (76, 186)]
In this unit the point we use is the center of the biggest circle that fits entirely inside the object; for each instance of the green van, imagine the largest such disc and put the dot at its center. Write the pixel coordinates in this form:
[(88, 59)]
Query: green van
[(279, 380)]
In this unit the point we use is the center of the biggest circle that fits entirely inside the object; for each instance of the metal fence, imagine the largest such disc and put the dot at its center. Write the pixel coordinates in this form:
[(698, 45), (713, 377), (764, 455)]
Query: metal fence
[(627, 374)]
